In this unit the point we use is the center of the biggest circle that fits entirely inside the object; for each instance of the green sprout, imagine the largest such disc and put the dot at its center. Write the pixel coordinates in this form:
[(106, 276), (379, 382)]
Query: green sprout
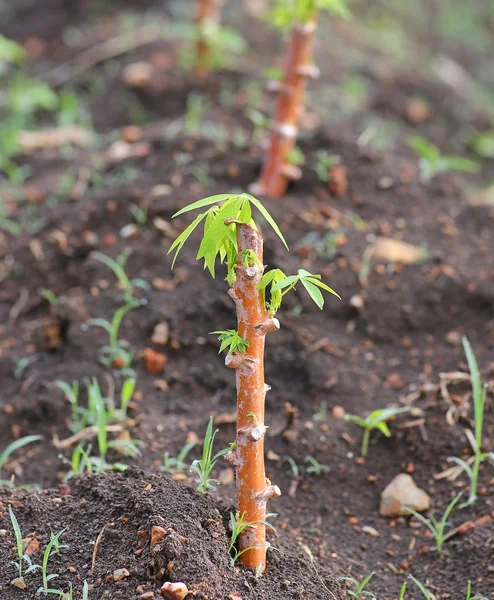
[(53, 547), (437, 527), (479, 393), (232, 340), (118, 267), (311, 283), (239, 526), (315, 467), (13, 447), (376, 420), (469, 593), (282, 13), (7, 224), (20, 552), (324, 162), (360, 586), (204, 466), (294, 468), (79, 463), (432, 162), (115, 351), (176, 465), (48, 295)]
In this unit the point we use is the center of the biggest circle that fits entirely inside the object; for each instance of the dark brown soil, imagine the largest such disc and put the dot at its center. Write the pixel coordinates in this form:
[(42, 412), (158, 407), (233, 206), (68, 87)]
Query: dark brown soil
[(127, 506), (386, 342)]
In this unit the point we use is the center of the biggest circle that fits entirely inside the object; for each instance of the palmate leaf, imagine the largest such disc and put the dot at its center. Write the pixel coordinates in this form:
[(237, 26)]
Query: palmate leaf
[(214, 236), (220, 238), (232, 340), (311, 283), (202, 203), (184, 236)]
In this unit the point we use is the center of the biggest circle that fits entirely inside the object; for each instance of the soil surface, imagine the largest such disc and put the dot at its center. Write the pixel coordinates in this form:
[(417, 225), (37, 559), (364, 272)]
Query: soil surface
[(393, 339)]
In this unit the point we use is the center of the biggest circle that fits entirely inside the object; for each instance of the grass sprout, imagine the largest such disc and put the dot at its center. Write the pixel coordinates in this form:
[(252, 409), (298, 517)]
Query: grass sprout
[(118, 267), (205, 465), (437, 527), (53, 547), (22, 558), (359, 586), (315, 467), (432, 162), (176, 465), (238, 526), (13, 447), (479, 393), (114, 354)]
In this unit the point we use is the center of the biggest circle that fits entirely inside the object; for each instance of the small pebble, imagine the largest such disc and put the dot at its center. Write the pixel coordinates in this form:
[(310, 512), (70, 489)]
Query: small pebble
[(120, 574)]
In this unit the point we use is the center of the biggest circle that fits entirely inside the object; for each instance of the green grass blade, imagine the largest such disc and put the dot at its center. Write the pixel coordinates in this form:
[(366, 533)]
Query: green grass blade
[(17, 445)]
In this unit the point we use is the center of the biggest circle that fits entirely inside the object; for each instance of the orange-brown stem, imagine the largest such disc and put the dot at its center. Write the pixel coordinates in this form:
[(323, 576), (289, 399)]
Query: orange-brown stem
[(207, 11), (253, 490), (276, 170)]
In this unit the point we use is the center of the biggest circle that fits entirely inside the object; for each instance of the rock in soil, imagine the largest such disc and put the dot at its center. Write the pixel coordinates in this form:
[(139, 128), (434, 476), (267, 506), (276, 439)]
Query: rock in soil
[(403, 493), (174, 590)]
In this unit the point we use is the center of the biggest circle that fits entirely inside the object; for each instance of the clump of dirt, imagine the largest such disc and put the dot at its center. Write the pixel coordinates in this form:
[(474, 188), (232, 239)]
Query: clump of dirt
[(108, 520)]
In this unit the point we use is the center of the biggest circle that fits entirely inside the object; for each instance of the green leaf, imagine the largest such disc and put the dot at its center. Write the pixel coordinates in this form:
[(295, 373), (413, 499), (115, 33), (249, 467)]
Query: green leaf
[(268, 218), (204, 202), (424, 148), (383, 428), (17, 445), (214, 237), (356, 419), (184, 236), (11, 51), (459, 163), (324, 286), (286, 282), (314, 292), (483, 144)]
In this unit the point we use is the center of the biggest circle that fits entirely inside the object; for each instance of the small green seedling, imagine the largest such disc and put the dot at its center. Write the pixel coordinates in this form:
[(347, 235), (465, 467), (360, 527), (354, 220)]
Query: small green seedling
[(315, 467), (360, 587), (79, 463), (21, 365), (13, 447), (432, 162), (294, 468), (232, 340), (118, 267), (7, 224), (20, 553), (140, 214), (479, 393), (324, 162), (53, 548), (176, 465), (48, 295), (421, 586), (114, 354), (376, 420), (469, 593), (322, 413), (403, 590), (239, 526), (437, 527), (204, 466)]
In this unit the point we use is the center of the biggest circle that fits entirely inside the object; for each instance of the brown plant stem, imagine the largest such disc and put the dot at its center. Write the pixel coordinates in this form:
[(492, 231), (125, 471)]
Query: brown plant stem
[(276, 170), (253, 489), (207, 10)]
